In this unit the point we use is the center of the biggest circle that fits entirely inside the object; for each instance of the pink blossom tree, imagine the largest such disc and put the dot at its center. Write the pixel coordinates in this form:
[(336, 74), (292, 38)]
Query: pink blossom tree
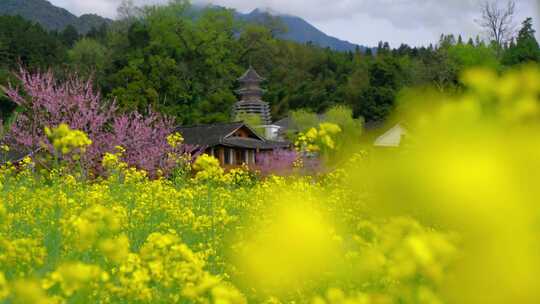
[(276, 162), (48, 103), (145, 140), (283, 162)]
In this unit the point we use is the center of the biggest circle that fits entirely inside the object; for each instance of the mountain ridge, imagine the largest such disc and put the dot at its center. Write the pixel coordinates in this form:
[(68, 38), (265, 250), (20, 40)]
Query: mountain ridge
[(301, 31), (51, 17), (56, 18)]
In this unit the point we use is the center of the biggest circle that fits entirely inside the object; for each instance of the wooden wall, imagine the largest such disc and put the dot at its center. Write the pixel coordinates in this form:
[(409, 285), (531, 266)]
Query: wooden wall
[(238, 156)]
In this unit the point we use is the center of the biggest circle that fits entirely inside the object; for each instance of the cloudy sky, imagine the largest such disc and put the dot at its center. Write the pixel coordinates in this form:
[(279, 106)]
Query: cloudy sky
[(416, 22)]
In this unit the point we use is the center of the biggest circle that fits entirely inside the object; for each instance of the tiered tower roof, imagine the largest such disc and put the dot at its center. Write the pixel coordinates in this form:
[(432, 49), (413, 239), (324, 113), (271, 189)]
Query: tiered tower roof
[(251, 97), (251, 76)]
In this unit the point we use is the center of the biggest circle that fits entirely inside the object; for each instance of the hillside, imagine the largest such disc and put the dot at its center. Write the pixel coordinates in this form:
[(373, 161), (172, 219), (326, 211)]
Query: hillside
[(49, 16), (56, 18), (299, 30)]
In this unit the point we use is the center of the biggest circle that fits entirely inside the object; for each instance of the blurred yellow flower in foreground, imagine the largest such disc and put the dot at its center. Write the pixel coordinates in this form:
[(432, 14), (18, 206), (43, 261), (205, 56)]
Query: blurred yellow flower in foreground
[(297, 246), (472, 166)]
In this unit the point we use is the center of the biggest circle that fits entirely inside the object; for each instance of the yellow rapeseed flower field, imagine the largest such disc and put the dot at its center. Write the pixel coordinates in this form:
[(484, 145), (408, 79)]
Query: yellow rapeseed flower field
[(451, 217)]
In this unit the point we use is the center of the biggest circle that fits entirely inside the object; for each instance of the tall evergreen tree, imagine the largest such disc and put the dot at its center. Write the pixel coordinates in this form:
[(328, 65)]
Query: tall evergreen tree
[(369, 52), (526, 48), (26, 43), (70, 35)]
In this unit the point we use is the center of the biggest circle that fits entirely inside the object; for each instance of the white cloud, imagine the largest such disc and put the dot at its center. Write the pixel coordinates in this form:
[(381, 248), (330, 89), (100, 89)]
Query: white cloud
[(361, 21), (79, 7)]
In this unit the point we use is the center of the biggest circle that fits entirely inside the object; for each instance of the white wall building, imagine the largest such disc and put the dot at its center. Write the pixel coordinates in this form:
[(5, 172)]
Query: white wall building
[(392, 138)]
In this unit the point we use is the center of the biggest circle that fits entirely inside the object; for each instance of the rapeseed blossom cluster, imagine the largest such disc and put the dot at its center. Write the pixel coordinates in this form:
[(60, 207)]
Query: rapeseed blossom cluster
[(449, 218), (66, 140), (208, 168), (174, 140), (113, 161), (319, 138)]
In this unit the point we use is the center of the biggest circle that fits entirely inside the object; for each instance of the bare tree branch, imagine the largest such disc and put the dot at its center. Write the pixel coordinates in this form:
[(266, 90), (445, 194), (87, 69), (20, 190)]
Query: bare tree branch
[(498, 21)]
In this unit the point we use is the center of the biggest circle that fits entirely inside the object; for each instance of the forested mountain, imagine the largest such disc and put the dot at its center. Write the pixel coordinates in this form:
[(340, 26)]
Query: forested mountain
[(56, 18), (299, 30), (168, 60), (49, 16)]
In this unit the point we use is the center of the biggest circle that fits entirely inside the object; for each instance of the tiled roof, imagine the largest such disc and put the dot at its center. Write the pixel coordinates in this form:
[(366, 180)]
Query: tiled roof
[(251, 76), (16, 156), (250, 143), (221, 134), (208, 135)]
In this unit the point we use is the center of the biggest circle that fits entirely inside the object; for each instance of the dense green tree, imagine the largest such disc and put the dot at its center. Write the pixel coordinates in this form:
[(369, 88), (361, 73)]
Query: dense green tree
[(383, 48), (22, 42), (88, 57), (3, 49), (478, 41), (98, 33), (254, 121), (351, 128), (403, 50), (258, 47), (369, 52), (439, 69), (467, 56), (178, 65), (357, 83), (303, 119), (447, 41), (6, 106), (526, 48), (376, 102), (70, 35)]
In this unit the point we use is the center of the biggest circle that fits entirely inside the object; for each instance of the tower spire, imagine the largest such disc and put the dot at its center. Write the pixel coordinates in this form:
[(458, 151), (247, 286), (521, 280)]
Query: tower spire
[(251, 97)]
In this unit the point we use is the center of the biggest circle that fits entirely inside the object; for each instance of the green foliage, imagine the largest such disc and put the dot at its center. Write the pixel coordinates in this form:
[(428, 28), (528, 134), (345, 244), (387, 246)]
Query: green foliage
[(303, 120), (343, 142), (69, 35), (258, 47), (216, 107), (467, 56), (526, 48), (98, 33), (347, 141), (179, 66), (385, 76), (351, 128), (254, 121), (28, 43), (7, 107), (87, 57)]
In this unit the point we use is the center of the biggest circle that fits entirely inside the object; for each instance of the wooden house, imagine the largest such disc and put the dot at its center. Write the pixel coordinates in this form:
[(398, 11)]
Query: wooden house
[(233, 144)]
